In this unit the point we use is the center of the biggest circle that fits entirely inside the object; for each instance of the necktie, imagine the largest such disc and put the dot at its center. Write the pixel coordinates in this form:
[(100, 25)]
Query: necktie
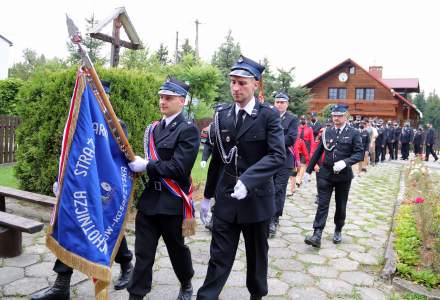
[(163, 124), (338, 131), (239, 119)]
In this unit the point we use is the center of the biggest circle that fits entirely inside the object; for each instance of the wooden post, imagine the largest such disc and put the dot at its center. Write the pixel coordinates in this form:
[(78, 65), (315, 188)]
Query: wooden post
[(114, 59), (2, 203)]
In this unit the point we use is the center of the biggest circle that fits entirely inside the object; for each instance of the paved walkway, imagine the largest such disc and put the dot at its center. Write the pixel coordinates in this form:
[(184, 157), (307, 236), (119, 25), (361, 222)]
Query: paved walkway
[(297, 271)]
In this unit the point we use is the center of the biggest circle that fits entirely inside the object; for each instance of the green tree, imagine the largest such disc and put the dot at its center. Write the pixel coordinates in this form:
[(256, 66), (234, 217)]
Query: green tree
[(32, 63), (162, 54), (186, 49), (432, 110), (135, 59), (8, 92), (420, 101), (94, 46), (224, 58)]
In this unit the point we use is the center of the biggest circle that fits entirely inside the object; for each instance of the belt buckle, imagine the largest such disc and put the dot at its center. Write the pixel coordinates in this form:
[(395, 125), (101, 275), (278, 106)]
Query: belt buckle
[(158, 186)]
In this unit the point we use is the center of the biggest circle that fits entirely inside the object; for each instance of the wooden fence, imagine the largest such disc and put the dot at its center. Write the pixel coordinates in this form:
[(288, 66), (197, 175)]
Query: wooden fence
[(8, 143)]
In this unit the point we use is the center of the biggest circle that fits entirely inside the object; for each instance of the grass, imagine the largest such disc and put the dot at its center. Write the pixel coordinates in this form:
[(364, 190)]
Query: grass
[(7, 177), (198, 174)]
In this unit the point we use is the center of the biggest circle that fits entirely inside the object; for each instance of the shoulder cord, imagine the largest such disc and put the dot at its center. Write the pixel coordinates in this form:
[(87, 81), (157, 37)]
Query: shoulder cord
[(226, 158), (324, 142)]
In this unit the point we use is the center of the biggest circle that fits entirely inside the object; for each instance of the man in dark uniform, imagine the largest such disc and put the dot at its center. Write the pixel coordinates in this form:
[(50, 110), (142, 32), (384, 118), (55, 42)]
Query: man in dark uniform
[(389, 133), (396, 138), (406, 139), (342, 146), (61, 287), (380, 142), (314, 124), (430, 142), (289, 122), (248, 151), (365, 136), (205, 204), (160, 212)]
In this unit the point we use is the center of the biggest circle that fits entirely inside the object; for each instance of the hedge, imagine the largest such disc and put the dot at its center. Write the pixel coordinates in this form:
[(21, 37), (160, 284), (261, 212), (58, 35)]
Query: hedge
[(8, 91), (43, 104)]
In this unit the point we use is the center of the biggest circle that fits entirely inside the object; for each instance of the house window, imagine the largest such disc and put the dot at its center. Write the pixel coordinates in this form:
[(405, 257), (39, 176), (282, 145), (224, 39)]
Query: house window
[(337, 93), (352, 70), (364, 94)]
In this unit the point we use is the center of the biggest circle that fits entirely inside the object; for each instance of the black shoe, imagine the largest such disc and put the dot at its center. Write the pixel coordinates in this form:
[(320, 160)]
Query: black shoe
[(209, 225), (316, 199), (124, 276), (59, 291), (337, 237), (186, 291), (272, 228), (315, 239), (253, 297), (134, 297)]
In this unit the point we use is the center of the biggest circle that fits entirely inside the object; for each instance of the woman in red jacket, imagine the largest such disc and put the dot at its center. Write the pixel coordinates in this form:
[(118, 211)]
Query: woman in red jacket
[(305, 133), (299, 150)]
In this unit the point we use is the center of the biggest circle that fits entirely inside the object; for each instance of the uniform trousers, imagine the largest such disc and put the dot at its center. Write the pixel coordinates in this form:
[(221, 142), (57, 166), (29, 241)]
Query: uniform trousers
[(390, 149), (430, 150), (224, 243), (405, 150), (395, 149), (148, 231), (280, 181), (124, 256), (325, 190)]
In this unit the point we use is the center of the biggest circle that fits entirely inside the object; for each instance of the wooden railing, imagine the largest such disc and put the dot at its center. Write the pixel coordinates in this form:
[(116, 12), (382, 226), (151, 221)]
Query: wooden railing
[(8, 144)]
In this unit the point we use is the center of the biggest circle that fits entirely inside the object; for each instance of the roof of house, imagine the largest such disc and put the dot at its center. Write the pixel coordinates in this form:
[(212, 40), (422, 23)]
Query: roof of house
[(403, 83), (381, 81), (6, 40)]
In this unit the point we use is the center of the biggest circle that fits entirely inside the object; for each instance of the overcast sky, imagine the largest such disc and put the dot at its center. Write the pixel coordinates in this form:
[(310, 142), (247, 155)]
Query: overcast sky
[(312, 36)]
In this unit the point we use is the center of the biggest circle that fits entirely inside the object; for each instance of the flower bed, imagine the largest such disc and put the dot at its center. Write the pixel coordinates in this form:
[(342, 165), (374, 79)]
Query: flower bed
[(417, 227)]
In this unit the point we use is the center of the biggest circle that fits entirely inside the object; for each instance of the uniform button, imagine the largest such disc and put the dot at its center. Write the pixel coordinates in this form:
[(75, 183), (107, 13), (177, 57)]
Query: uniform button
[(238, 142)]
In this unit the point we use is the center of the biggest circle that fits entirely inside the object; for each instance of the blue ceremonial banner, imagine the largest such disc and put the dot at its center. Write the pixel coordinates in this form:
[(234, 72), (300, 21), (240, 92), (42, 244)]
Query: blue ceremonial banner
[(95, 189)]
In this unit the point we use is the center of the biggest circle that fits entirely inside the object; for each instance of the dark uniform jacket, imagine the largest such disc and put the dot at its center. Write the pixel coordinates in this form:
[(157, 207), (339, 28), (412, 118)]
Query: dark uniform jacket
[(430, 137), (381, 137), (365, 139), (418, 138), (389, 133), (397, 132), (407, 135), (347, 147), (315, 127), (289, 122), (261, 153), (177, 146)]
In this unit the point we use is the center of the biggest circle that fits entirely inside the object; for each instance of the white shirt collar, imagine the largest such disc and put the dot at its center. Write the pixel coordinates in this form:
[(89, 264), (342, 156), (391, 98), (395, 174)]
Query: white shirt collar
[(170, 118), (283, 114), (248, 108), (342, 128)]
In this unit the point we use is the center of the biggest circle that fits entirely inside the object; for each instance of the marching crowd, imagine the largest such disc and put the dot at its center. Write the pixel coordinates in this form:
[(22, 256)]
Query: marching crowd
[(255, 149)]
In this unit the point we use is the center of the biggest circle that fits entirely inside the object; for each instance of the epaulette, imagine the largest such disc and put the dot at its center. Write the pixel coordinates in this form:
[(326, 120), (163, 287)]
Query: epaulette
[(222, 106), (268, 105)]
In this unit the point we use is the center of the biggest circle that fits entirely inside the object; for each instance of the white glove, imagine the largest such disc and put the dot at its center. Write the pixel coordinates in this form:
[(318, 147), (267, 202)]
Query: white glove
[(55, 188), (338, 166), (205, 205), (240, 191), (138, 164), (306, 179), (203, 164)]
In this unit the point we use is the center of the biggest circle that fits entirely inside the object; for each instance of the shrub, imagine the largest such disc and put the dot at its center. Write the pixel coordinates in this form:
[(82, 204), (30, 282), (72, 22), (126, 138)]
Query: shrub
[(8, 92)]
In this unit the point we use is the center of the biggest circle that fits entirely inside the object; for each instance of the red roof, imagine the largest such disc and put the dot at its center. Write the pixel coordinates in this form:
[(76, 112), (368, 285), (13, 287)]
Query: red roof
[(403, 83)]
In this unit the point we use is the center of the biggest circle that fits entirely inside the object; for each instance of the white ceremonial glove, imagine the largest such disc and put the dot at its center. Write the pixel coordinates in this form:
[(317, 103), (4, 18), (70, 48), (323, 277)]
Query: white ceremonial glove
[(138, 164), (55, 188), (205, 205), (338, 166), (240, 191), (306, 179), (203, 164)]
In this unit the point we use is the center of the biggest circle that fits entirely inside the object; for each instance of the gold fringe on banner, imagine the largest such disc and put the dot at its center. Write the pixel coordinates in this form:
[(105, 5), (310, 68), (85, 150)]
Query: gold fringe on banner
[(189, 227)]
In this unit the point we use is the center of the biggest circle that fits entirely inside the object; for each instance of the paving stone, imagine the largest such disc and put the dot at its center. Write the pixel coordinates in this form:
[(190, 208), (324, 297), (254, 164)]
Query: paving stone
[(344, 264), (311, 258), (289, 229), (335, 286), (165, 276), (25, 286), (357, 278), (233, 293), (39, 269), (364, 258), (10, 274), (309, 293), (23, 260), (281, 253), (287, 265), (332, 253), (371, 294), (277, 287), (297, 278), (277, 243), (237, 279), (323, 272)]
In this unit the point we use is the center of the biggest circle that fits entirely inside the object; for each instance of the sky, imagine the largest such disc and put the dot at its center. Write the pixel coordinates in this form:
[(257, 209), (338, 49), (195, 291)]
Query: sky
[(312, 36)]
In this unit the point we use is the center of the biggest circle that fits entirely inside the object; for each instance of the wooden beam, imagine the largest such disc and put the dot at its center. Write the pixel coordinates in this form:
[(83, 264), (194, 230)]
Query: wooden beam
[(109, 39)]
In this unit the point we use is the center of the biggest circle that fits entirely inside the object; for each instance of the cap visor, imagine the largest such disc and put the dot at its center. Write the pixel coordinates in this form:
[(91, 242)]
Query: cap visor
[(281, 99), (337, 113), (168, 93), (241, 73)]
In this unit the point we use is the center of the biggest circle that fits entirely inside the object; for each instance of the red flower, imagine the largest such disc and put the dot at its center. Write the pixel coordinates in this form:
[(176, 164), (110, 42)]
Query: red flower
[(419, 200)]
